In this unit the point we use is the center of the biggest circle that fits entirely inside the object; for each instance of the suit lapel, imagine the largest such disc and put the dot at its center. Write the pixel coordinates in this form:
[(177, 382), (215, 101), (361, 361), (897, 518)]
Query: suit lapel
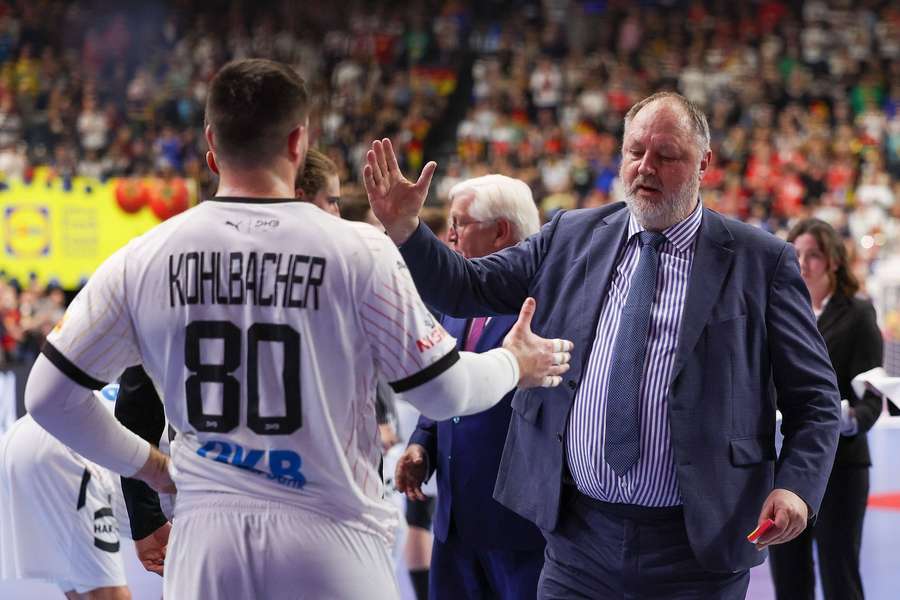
[(712, 261), (606, 245)]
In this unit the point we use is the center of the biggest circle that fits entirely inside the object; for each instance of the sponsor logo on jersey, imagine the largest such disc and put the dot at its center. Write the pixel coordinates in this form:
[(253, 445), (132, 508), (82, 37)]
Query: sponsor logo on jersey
[(280, 466), (59, 324), (434, 337), (106, 530), (110, 392), (264, 225)]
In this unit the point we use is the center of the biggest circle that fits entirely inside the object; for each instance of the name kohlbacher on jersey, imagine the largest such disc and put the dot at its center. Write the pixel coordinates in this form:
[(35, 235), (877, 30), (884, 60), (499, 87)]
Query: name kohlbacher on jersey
[(269, 279)]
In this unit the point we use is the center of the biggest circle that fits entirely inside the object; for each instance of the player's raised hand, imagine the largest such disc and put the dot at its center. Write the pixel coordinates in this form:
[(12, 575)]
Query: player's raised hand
[(411, 471), (151, 550), (155, 472), (395, 200), (541, 361)]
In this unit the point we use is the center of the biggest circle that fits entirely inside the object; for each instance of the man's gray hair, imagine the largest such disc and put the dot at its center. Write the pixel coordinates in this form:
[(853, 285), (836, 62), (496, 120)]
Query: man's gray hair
[(501, 197), (695, 115)]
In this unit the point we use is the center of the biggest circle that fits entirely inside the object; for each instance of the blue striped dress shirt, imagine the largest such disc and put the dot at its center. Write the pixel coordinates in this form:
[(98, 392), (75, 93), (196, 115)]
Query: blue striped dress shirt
[(652, 481)]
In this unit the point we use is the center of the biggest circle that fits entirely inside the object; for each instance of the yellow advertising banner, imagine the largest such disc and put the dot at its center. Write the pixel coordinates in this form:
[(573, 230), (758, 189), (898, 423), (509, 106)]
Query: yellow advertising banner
[(60, 230)]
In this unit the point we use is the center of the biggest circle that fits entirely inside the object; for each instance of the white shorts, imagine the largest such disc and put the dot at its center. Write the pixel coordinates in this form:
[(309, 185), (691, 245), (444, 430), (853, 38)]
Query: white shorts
[(56, 520), (227, 546)]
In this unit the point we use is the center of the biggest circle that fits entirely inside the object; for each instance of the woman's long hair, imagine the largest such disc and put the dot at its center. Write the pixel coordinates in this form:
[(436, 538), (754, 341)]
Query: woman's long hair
[(830, 244)]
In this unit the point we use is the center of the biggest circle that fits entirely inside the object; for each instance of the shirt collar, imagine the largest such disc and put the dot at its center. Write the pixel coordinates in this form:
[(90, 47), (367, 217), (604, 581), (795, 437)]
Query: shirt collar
[(681, 234)]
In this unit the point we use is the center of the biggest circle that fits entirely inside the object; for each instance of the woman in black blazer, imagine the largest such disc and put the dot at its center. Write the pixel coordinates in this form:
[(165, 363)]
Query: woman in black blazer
[(848, 325)]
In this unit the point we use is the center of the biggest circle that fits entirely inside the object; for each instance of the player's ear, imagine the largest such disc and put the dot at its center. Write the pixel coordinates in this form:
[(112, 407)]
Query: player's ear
[(299, 194), (297, 143), (210, 155), (211, 162)]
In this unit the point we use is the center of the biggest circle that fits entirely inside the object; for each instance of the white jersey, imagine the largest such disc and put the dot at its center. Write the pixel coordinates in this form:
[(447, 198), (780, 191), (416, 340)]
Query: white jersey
[(264, 325)]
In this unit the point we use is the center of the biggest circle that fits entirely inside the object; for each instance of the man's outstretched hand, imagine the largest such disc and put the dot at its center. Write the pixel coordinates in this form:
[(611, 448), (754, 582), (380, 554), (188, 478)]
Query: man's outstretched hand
[(395, 200), (541, 361)]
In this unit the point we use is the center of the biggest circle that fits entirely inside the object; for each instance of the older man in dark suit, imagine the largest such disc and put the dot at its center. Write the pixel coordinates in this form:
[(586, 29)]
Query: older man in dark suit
[(650, 466), (481, 548)]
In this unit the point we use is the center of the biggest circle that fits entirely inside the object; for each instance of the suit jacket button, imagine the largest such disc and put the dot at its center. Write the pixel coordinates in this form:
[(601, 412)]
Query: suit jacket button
[(572, 385), (559, 437), (456, 419)]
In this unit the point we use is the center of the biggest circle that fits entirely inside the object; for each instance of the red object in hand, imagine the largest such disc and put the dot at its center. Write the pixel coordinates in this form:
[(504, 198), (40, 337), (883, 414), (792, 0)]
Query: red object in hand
[(761, 530)]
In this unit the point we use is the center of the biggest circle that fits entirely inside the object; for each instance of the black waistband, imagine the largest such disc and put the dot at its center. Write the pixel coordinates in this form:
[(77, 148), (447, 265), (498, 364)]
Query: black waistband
[(631, 511)]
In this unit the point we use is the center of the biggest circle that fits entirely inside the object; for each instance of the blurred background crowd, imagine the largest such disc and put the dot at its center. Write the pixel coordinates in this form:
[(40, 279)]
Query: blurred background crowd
[(803, 99)]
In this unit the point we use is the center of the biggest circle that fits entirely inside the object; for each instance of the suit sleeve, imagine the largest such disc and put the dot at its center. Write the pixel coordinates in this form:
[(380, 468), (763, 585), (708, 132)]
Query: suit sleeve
[(805, 382), (139, 408), (426, 436), (494, 285), (868, 354)]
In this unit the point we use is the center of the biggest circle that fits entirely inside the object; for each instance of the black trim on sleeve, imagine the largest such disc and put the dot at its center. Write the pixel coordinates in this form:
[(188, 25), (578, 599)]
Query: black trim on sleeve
[(70, 369), (426, 374)]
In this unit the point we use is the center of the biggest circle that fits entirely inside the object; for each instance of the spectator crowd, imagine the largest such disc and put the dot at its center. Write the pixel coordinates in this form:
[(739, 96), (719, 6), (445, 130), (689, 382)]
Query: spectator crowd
[(802, 98)]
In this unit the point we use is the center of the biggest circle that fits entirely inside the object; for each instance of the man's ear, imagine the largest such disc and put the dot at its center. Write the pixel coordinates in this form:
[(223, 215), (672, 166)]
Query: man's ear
[(211, 154), (211, 162), (295, 142), (504, 232), (299, 194), (704, 163)]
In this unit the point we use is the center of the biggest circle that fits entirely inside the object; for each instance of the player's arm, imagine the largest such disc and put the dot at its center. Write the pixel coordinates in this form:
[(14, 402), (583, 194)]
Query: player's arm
[(476, 382), (92, 344), (419, 358)]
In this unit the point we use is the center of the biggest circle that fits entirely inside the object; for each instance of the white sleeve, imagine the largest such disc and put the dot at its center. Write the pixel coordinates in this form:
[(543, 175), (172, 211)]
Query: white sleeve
[(410, 346), (71, 413), (95, 340), (92, 344), (475, 383)]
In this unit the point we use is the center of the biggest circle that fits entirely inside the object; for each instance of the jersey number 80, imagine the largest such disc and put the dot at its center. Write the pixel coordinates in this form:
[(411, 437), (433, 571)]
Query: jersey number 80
[(221, 374)]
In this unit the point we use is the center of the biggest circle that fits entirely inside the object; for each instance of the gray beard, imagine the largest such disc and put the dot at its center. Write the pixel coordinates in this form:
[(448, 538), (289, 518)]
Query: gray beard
[(656, 216)]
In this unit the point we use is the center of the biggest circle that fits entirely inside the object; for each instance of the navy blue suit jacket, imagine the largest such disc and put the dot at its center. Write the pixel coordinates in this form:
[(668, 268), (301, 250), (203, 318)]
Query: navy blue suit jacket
[(748, 342), (466, 453)]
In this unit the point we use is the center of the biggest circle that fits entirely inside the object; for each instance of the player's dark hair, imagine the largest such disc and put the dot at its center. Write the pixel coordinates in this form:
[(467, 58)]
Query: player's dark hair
[(251, 107)]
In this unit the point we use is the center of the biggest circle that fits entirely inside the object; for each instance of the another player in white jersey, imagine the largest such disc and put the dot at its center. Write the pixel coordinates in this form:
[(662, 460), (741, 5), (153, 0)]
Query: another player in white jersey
[(265, 324), (58, 514)]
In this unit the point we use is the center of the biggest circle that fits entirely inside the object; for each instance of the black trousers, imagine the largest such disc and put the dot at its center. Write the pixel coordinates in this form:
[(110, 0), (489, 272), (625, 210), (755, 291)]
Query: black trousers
[(838, 536)]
